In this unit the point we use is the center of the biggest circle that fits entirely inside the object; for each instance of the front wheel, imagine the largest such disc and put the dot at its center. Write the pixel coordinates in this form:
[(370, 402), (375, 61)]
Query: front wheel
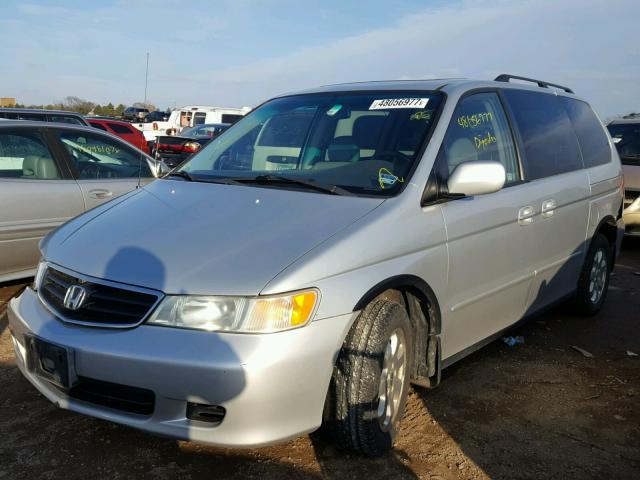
[(593, 283), (371, 380)]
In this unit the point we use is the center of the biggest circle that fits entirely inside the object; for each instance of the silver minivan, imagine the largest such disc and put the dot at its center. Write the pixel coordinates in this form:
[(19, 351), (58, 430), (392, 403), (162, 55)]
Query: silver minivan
[(329, 249)]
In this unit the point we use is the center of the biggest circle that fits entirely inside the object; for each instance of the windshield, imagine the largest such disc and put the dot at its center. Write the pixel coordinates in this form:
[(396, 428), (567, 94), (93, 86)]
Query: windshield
[(626, 137), (363, 143)]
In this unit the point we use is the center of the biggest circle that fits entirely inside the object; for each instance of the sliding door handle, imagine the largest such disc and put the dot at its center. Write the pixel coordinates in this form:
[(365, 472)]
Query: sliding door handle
[(548, 208), (525, 215)]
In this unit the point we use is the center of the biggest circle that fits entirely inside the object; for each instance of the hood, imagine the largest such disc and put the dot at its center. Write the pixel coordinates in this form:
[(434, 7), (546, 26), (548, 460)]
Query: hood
[(201, 238)]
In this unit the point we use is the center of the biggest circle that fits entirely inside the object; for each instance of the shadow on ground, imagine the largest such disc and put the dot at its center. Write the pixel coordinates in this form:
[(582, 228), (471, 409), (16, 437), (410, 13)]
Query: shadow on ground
[(538, 410)]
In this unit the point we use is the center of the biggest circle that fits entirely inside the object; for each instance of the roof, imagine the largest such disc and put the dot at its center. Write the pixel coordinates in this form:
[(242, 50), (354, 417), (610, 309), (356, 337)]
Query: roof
[(444, 84), (39, 110), (31, 123), (107, 119), (619, 121)]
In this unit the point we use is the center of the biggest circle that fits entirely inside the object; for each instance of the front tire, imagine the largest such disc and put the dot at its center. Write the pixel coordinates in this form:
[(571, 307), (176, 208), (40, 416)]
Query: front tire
[(593, 283), (371, 380)]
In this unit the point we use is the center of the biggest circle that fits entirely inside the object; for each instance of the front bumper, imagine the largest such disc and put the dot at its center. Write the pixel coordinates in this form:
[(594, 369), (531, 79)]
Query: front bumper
[(273, 386)]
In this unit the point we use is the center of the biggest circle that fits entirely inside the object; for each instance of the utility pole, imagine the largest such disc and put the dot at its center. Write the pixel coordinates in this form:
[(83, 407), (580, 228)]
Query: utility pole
[(146, 80)]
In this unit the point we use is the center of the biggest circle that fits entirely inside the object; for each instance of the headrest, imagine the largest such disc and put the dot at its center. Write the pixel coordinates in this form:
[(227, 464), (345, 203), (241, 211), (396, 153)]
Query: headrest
[(42, 168), (343, 149), (460, 151)]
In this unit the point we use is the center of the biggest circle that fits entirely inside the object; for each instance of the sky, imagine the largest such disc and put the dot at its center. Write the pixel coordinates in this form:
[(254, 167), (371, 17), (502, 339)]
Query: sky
[(241, 52)]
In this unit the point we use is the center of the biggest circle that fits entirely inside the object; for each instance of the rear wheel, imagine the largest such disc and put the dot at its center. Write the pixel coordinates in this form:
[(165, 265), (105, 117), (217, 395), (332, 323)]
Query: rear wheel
[(371, 380), (593, 283)]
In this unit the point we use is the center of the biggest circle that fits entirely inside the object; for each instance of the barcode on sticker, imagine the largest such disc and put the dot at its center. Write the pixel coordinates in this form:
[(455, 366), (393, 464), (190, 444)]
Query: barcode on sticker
[(385, 103)]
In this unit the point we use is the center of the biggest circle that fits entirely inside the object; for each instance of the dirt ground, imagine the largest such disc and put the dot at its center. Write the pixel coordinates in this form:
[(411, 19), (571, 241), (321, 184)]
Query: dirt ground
[(538, 410)]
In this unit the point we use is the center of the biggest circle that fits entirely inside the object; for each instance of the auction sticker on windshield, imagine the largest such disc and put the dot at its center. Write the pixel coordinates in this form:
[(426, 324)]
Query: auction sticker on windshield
[(385, 103)]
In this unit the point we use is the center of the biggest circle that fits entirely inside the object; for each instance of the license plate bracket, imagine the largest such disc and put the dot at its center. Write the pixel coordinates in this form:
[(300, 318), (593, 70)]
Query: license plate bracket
[(50, 362)]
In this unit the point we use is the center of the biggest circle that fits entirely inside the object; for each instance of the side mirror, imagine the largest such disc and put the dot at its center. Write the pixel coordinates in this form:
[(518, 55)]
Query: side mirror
[(161, 168), (476, 178)]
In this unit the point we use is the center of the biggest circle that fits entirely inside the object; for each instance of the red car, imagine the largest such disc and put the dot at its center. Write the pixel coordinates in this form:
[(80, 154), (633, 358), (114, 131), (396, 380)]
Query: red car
[(124, 130)]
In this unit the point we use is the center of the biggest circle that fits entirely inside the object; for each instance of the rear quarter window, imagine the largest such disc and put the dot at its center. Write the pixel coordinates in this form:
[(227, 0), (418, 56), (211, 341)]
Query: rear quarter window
[(122, 129), (550, 144), (594, 143), (99, 126)]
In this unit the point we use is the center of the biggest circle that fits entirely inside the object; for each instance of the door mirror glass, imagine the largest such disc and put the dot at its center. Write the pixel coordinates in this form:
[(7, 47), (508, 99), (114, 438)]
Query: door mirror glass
[(477, 178)]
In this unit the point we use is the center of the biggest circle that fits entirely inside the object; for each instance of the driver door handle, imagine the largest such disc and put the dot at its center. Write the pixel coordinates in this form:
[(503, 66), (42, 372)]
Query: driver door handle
[(98, 193)]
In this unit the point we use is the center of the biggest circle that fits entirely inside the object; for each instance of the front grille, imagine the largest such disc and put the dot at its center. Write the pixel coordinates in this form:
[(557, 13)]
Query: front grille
[(104, 305), (113, 395)]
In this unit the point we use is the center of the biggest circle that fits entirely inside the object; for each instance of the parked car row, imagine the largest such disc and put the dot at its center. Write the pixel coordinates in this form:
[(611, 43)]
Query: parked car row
[(49, 173), (626, 137), (175, 149), (307, 265)]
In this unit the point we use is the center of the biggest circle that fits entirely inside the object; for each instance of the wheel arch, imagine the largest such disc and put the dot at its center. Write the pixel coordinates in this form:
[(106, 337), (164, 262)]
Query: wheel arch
[(424, 312), (608, 227)]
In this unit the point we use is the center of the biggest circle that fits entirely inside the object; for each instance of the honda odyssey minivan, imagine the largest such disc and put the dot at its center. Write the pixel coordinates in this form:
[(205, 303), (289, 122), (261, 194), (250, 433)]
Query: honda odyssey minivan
[(329, 249)]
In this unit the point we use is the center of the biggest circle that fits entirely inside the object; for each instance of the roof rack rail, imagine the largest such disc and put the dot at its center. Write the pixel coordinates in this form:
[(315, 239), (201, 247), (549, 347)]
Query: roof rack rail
[(505, 77)]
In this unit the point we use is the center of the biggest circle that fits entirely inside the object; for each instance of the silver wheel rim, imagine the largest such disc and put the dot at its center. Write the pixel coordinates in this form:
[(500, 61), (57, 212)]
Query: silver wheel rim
[(598, 276), (392, 379)]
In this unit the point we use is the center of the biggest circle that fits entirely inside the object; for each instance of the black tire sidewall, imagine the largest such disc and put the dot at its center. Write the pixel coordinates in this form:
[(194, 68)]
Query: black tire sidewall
[(359, 369)]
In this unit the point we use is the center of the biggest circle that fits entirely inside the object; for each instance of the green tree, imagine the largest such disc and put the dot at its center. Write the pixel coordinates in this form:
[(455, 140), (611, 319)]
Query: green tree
[(120, 110), (109, 109)]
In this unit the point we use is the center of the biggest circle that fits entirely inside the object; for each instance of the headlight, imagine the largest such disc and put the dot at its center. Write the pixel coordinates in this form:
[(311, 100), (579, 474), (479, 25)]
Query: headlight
[(237, 314), (37, 280)]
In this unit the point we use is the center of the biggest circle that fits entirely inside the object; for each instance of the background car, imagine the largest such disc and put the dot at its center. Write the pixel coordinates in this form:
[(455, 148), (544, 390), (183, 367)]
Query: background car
[(626, 137), (157, 116), (134, 114), (58, 116), (50, 173), (124, 130), (175, 149)]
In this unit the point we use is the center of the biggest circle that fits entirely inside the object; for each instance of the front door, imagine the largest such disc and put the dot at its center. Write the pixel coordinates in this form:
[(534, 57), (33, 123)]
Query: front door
[(105, 167), (490, 238)]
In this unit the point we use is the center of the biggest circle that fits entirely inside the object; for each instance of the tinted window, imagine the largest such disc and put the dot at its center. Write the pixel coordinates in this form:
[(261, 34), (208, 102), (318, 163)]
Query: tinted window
[(594, 143), (286, 130), (479, 131), (550, 144), (65, 119), (24, 155), (230, 118), (35, 117), (96, 157), (626, 137), (116, 127), (98, 126)]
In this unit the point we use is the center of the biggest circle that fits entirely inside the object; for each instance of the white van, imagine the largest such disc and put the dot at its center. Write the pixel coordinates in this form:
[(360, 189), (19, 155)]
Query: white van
[(191, 116)]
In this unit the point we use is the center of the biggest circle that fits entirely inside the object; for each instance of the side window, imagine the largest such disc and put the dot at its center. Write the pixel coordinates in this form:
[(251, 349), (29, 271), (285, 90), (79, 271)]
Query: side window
[(25, 155), (594, 144), (34, 117), (550, 144), (479, 131), (98, 157)]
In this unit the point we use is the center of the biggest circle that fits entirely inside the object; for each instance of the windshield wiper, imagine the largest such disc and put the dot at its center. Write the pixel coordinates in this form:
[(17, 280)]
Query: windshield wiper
[(266, 179), (181, 174)]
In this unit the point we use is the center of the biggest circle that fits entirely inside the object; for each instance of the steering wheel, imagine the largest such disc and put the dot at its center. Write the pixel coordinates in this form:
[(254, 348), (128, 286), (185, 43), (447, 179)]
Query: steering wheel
[(400, 161)]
